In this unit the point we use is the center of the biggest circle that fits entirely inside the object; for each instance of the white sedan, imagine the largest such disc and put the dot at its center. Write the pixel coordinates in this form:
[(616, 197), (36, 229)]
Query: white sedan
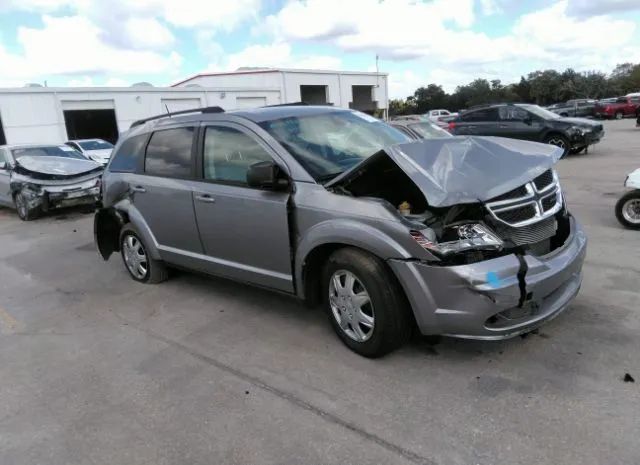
[(438, 116), (97, 150)]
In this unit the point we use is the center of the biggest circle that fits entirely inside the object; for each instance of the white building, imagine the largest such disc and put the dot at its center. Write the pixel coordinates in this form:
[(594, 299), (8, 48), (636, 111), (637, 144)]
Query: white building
[(55, 114), (347, 89)]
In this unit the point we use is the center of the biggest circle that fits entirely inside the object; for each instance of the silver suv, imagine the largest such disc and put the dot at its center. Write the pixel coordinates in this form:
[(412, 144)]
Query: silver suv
[(463, 236)]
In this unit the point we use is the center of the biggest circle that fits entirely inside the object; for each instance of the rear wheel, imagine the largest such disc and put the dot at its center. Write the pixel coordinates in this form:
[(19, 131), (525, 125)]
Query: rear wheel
[(559, 141), (140, 265), (22, 207), (365, 304), (628, 210)]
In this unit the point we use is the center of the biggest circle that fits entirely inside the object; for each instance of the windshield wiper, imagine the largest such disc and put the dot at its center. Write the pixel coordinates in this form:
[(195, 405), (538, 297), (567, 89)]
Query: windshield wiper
[(329, 177)]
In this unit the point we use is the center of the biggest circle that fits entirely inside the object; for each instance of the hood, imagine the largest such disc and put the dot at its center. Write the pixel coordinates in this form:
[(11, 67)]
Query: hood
[(456, 170), (60, 166), (581, 122)]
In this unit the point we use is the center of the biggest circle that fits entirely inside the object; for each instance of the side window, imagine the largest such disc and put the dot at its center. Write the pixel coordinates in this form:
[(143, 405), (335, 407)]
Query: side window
[(228, 153), (635, 100), (169, 153), (125, 160), (4, 159), (510, 113), (486, 114)]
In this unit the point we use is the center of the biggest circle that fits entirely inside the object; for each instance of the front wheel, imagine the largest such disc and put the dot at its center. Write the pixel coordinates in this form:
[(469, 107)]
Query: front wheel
[(140, 265), (577, 150), (619, 115), (25, 213), (365, 304), (628, 210), (559, 141)]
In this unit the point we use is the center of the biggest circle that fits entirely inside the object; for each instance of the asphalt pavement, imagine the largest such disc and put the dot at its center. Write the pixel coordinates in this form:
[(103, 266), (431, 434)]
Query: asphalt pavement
[(98, 369)]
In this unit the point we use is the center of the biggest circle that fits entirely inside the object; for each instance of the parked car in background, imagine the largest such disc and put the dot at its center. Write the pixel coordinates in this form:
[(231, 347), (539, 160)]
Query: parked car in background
[(578, 107), (38, 178), (628, 206), (468, 237), (528, 122), (617, 108), (420, 129), (97, 150), (433, 115)]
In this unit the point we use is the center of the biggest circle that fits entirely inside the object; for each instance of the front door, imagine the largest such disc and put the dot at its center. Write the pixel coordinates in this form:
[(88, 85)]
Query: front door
[(5, 179), (162, 194), (517, 123), (244, 231)]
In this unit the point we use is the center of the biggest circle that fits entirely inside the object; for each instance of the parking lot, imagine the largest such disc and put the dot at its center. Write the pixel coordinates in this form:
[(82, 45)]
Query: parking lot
[(96, 368)]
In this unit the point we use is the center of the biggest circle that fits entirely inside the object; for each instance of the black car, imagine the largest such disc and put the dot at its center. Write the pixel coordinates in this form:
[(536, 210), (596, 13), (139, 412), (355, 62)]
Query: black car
[(528, 122), (577, 107)]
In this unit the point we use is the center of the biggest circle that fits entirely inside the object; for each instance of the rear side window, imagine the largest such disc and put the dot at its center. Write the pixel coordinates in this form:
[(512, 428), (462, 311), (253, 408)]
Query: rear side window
[(125, 160), (169, 153), (512, 114), (486, 114)]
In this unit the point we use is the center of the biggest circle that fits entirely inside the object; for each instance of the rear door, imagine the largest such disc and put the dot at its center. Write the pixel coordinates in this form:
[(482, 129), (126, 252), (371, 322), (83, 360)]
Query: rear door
[(5, 179), (480, 122), (517, 123), (244, 231), (162, 193)]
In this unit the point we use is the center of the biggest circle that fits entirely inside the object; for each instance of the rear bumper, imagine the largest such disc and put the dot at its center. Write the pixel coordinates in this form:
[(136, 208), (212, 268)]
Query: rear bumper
[(481, 301)]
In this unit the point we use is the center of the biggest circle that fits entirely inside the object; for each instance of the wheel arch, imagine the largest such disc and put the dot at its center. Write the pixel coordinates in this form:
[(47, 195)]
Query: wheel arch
[(325, 238)]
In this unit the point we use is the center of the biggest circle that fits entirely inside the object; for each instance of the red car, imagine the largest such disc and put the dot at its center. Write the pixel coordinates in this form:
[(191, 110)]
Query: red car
[(617, 108)]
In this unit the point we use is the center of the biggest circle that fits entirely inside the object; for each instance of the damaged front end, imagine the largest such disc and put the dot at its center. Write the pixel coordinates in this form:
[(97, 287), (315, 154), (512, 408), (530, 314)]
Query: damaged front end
[(45, 191), (503, 254)]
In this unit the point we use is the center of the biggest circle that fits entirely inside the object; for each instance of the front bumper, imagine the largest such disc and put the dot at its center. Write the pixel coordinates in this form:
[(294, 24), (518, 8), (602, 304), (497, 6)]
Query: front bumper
[(586, 139), (481, 300), (49, 197)]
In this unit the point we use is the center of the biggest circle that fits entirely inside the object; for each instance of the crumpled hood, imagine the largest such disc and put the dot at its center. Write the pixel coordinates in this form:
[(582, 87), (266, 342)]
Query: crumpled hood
[(57, 165), (456, 170)]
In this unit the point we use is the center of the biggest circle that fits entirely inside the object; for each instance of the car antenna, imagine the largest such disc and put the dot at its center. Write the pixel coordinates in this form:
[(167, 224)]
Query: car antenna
[(167, 108)]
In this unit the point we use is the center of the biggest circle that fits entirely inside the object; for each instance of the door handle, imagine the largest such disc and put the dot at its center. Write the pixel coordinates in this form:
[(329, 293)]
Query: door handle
[(206, 198), (138, 189)]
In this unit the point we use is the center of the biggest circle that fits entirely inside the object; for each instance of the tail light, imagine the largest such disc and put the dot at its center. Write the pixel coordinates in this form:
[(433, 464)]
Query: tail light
[(451, 125)]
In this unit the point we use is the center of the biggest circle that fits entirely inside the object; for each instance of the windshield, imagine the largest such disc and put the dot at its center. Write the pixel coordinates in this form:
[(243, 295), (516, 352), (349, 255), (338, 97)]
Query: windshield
[(95, 145), (330, 143), (429, 131), (47, 151), (541, 112)]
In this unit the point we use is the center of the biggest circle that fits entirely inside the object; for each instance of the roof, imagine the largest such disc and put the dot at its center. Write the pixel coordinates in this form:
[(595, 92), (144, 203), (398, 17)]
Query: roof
[(258, 115), (241, 71)]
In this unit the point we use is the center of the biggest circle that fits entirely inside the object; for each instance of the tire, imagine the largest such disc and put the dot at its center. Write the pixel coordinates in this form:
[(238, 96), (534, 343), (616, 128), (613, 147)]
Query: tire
[(136, 259), (24, 212), (383, 322), (624, 208), (618, 115), (559, 141), (576, 151)]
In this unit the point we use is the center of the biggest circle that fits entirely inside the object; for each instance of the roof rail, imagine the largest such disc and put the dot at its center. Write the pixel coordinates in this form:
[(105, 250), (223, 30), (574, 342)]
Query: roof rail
[(292, 104), (182, 112)]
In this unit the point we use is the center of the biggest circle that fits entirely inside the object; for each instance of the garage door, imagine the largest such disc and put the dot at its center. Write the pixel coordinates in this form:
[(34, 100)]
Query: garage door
[(250, 102), (180, 104)]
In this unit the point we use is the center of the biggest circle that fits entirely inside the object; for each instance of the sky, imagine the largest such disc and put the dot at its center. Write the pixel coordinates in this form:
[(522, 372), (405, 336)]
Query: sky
[(448, 42)]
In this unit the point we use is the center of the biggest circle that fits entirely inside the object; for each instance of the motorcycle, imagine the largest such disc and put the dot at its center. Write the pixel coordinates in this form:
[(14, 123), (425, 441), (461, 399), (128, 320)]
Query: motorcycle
[(628, 206)]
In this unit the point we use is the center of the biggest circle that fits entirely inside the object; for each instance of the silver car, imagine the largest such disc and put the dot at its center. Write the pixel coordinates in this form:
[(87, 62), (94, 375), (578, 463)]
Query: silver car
[(97, 150), (462, 236)]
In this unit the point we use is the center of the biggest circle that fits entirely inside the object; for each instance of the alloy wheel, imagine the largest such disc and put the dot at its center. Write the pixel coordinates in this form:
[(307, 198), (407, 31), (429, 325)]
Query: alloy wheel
[(135, 256), (557, 142), (631, 211), (351, 306)]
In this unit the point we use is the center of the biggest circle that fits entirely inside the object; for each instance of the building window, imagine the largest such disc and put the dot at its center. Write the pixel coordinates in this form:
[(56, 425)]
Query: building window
[(363, 99), (314, 95)]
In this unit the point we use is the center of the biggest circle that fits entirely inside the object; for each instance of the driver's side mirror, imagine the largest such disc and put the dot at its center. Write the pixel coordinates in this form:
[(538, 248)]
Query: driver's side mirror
[(266, 175)]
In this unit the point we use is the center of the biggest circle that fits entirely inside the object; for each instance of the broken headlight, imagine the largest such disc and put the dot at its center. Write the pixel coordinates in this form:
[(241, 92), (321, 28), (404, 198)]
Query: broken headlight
[(459, 238)]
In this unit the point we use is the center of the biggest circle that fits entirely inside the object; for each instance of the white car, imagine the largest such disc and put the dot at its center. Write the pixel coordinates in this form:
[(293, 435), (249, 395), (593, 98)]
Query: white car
[(628, 207), (97, 150), (435, 116)]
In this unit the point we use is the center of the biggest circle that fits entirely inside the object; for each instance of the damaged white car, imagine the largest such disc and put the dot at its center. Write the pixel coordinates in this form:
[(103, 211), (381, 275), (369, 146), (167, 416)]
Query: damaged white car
[(38, 178)]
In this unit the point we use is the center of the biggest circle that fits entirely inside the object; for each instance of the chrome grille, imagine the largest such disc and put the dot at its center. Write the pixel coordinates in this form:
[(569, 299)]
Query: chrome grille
[(528, 204), (531, 234)]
